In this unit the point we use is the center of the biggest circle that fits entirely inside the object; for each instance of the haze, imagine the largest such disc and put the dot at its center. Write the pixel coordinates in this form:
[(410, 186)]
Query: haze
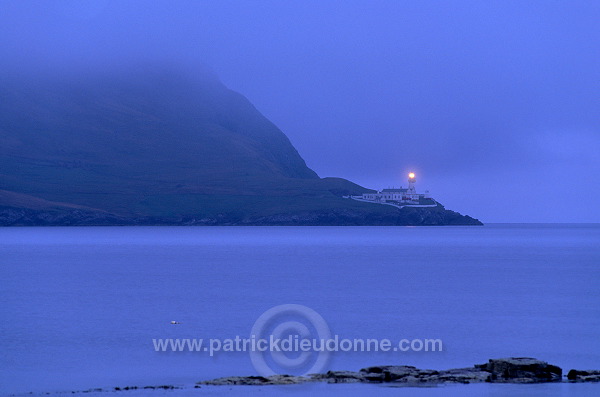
[(494, 105)]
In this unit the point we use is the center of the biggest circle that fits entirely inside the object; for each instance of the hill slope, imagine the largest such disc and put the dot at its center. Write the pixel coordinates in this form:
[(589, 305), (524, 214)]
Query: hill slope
[(153, 147)]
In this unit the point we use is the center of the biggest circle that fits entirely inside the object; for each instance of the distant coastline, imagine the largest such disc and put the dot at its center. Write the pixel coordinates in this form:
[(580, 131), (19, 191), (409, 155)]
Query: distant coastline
[(436, 216)]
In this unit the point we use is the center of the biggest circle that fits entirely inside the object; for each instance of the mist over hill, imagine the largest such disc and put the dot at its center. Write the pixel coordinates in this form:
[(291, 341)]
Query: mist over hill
[(157, 146)]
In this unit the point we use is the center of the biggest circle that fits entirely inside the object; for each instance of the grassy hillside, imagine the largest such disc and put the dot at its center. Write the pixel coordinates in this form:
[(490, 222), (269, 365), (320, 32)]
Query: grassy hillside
[(154, 146)]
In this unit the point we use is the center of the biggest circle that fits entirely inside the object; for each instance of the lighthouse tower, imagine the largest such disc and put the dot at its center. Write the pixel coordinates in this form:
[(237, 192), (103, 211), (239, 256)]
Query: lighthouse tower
[(411, 184)]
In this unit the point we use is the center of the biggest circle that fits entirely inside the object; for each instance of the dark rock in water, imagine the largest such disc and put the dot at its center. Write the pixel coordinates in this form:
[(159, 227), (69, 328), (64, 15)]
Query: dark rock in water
[(126, 388), (161, 387), (521, 370), (415, 376), (505, 370), (463, 375), (340, 377), (168, 387), (575, 375), (258, 380), (95, 390), (392, 373)]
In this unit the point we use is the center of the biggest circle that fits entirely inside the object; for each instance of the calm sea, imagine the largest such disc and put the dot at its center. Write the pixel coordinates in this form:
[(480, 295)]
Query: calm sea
[(80, 306)]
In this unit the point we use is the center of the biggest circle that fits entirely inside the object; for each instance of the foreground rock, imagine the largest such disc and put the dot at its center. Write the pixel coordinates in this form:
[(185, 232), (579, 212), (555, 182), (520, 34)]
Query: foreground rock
[(521, 370), (406, 375), (258, 380), (504, 370), (575, 375)]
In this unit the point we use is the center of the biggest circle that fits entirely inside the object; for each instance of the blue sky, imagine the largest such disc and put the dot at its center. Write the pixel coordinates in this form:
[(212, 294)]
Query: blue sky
[(495, 104)]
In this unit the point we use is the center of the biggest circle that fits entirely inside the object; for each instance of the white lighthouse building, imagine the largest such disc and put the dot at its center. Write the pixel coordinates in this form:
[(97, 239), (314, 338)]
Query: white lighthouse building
[(399, 197), (411, 183)]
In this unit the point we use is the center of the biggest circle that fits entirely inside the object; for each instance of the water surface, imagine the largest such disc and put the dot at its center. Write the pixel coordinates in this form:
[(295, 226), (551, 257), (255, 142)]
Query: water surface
[(80, 306)]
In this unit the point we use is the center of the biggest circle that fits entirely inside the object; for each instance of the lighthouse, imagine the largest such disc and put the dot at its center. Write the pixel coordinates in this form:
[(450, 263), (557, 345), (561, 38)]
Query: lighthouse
[(411, 183), (399, 197)]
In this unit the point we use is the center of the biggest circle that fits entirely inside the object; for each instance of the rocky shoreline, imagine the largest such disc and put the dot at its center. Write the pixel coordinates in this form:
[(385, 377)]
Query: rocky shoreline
[(504, 370), (11, 216), (515, 370)]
